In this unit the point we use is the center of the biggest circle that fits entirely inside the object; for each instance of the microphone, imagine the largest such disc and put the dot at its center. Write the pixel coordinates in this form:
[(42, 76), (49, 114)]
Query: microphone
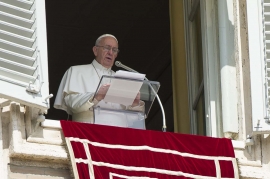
[(119, 64)]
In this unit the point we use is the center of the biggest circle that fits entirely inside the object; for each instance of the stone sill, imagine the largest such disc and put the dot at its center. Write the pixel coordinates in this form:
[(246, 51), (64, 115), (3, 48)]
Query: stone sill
[(49, 123), (239, 144)]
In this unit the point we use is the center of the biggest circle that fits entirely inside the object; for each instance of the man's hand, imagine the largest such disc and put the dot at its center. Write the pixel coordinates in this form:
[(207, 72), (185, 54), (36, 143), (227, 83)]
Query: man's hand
[(136, 101), (102, 92)]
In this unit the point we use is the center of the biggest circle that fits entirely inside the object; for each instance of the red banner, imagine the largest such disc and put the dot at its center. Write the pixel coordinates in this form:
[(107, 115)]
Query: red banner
[(105, 152)]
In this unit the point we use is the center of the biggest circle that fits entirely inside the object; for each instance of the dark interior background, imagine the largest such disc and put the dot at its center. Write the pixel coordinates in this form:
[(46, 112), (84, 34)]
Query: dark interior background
[(142, 28)]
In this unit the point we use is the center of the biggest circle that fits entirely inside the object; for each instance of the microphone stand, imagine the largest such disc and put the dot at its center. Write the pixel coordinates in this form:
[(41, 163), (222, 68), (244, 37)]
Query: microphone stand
[(119, 64)]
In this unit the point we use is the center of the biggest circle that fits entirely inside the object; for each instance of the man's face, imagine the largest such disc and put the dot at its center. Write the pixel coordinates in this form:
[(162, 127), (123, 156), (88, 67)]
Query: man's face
[(104, 56)]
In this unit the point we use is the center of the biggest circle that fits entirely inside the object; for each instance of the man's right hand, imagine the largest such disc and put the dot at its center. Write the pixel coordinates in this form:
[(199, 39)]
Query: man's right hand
[(102, 92), (136, 101)]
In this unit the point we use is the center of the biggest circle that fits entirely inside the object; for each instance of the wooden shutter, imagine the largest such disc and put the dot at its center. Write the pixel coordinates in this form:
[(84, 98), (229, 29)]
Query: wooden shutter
[(258, 20), (23, 52)]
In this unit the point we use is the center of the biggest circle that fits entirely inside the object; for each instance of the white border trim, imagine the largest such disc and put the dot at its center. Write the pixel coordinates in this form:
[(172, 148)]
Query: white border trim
[(145, 169)]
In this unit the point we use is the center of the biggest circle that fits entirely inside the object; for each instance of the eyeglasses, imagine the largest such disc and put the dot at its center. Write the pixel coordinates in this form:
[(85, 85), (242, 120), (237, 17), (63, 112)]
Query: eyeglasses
[(109, 48)]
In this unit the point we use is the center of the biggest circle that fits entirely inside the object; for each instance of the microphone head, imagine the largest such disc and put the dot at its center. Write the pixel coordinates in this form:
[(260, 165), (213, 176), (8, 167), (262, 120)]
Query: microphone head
[(117, 63)]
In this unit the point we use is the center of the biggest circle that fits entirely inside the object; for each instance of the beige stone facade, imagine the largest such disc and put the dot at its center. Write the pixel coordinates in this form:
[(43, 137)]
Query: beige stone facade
[(31, 150), (32, 147), (28, 150)]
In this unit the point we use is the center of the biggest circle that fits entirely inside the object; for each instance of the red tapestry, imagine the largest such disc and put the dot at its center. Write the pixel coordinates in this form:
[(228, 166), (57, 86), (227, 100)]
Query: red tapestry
[(106, 152)]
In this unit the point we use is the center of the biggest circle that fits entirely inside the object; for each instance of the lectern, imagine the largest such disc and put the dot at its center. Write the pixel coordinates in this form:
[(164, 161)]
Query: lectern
[(117, 108)]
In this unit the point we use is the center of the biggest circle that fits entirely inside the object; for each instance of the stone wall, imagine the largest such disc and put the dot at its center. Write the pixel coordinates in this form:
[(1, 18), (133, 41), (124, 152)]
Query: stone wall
[(29, 150), (32, 149)]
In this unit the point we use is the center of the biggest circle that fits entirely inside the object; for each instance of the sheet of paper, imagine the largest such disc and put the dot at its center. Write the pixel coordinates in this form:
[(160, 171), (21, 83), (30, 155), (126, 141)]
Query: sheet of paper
[(130, 75), (124, 91)]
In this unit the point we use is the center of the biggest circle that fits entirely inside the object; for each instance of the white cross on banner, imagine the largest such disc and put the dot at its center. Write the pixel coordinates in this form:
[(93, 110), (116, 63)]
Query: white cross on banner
[(106, 152)]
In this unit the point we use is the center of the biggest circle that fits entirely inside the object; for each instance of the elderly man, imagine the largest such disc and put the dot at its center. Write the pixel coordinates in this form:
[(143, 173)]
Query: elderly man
[(76, 91)]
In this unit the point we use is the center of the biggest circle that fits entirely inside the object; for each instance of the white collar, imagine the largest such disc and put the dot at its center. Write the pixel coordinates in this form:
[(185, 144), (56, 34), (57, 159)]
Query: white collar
[(99, 66)]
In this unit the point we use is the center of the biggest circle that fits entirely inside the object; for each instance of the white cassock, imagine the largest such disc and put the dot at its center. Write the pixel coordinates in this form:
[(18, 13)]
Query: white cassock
[(77, 89)]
